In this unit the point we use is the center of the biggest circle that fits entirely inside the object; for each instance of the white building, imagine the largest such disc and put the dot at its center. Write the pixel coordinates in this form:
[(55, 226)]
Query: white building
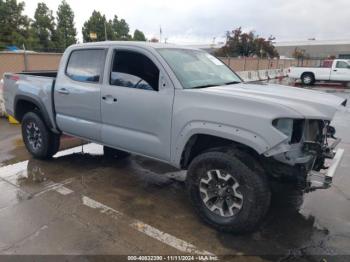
[(316, 48)]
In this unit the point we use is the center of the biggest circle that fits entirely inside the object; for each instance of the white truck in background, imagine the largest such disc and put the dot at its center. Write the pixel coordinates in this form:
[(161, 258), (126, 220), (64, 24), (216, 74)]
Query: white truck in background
[(337, 70)]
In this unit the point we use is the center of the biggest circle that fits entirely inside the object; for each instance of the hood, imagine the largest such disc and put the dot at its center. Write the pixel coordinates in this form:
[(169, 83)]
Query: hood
[(308, 103)]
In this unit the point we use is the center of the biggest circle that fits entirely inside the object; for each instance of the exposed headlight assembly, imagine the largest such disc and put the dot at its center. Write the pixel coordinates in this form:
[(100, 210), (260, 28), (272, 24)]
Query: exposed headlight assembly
[(292, 128)]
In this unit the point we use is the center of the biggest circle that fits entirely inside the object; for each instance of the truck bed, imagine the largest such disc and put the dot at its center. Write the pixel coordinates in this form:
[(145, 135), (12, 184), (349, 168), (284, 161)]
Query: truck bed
[(37, 85), (43, 73), (321, 73)]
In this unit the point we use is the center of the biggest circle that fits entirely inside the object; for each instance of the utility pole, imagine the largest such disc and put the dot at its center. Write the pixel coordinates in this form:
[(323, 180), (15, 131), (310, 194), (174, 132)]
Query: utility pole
[(25, 58)]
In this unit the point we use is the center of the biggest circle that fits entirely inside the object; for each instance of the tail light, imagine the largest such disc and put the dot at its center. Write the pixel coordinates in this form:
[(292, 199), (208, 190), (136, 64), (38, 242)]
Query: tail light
[(14, 77)]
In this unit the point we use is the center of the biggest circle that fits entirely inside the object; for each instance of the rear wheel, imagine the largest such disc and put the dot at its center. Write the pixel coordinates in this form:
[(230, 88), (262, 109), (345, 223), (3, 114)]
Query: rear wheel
[(226, 193), (38, 139), (308, 79)]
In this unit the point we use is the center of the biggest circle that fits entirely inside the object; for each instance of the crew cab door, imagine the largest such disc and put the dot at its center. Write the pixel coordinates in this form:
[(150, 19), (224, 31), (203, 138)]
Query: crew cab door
[(77, 93), (340, 71), (137, 100)]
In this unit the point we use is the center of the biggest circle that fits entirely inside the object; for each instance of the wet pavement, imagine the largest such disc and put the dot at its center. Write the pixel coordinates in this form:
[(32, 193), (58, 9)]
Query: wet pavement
[(82, 203)]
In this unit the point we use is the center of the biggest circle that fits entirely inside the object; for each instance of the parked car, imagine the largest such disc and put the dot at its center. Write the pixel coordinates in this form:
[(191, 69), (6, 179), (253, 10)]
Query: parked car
[(184, 107), (338, 71)]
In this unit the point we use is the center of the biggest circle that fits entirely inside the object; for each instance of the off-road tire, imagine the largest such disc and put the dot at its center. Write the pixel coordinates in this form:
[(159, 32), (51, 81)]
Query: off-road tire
[(308, 79), (50, 142), (253, 183), (114, 153)]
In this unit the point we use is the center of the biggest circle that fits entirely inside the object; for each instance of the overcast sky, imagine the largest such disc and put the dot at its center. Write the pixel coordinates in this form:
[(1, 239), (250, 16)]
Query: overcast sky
[(199, 21)]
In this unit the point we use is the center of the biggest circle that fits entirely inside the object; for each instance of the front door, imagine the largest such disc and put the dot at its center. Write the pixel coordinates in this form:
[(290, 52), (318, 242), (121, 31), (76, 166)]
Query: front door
[(77, 94), (137, 104), (341, 71)]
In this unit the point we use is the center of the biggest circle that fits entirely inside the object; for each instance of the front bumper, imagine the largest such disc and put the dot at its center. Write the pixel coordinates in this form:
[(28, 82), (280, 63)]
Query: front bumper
[(323, 179)]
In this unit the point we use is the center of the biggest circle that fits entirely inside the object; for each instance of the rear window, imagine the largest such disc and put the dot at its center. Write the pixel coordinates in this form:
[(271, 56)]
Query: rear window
[(86, 65)]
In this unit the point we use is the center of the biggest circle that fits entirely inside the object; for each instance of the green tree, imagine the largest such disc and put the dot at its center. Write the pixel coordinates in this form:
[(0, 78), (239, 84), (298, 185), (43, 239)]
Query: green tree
[(121, 29), (44, 26), (239, 43), (14, 26), (138, 36), (65, 30), (299, 53), (98, 24)]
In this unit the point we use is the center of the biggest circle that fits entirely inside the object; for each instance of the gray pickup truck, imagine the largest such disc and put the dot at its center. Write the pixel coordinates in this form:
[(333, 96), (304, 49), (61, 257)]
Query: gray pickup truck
[(184, 107)]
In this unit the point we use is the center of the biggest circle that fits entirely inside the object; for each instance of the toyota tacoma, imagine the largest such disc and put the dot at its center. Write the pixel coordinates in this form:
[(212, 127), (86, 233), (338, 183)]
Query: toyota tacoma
[(184, 107)]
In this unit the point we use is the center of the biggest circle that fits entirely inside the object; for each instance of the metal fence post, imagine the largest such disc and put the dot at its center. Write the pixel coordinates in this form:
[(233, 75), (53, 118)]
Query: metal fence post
[(25, 60), (245, 62)]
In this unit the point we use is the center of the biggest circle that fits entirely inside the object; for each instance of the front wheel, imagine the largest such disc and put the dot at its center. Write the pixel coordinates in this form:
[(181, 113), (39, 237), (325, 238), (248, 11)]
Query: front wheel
[(226, 193), (308, 79), (38, 139)]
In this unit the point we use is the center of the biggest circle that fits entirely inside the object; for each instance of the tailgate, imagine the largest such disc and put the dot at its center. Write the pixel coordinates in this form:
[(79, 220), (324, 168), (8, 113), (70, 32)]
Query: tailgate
[(9, 91)]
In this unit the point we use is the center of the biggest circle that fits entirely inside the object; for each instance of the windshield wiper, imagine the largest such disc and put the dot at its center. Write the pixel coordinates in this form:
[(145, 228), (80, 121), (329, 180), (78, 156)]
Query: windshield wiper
[(231, 83), (203, 86), (210, 85)]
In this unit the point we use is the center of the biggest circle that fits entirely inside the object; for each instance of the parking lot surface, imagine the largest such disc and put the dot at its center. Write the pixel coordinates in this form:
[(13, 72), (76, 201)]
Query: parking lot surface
[(82, 203)]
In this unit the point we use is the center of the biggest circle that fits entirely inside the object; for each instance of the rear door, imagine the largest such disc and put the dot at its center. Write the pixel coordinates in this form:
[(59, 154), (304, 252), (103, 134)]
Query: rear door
[(341, 71), (77, 94), (137, 104)]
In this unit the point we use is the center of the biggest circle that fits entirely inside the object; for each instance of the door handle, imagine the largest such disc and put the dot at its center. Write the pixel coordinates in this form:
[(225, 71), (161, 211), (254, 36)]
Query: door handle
[(335, 70), (63, 91), (109, 98)]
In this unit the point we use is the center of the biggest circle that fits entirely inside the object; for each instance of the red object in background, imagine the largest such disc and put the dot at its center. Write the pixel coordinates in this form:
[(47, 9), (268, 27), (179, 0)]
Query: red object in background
[(327, 63)]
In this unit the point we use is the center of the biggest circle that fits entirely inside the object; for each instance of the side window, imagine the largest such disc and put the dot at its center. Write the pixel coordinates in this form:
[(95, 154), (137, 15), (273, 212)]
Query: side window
[(342, 64), (134, 70), (86, 65)]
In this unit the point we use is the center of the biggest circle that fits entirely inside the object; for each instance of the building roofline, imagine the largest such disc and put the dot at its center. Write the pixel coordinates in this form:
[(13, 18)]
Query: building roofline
[(313, 42)]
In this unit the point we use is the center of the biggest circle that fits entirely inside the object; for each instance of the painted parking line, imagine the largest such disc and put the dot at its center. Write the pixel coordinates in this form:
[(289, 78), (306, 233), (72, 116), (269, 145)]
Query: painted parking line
[(147, 229), (63, 190), (170, 240), (19, 170)]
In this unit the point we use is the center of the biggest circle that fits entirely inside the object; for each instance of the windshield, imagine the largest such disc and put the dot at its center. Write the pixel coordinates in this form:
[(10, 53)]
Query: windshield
[(198, 69)]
